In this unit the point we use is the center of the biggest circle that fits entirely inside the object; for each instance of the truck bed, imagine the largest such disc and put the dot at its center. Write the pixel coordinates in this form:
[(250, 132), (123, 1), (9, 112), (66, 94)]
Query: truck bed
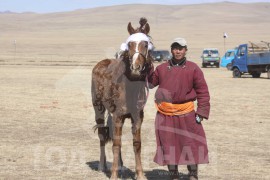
[(258, 58)]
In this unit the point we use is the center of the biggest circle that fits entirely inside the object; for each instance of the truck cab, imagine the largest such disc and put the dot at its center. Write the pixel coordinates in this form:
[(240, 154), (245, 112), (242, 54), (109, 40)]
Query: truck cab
[(226, 60)]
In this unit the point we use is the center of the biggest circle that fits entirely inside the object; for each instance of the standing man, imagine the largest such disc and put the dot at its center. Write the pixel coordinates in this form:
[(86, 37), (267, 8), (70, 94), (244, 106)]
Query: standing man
[(180, 135)]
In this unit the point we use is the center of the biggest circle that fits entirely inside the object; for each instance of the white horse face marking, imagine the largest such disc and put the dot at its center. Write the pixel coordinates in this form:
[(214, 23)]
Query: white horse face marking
[(138, 51)]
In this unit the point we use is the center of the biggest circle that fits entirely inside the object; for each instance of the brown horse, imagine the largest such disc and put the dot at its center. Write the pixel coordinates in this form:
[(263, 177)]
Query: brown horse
[(119, 86)]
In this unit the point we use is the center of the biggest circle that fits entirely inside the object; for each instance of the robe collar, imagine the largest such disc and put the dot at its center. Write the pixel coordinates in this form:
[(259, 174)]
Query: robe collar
[(181, 63)]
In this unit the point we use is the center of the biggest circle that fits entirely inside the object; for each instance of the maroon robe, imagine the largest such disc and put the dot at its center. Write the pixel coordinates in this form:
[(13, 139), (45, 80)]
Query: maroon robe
[(180, 139)]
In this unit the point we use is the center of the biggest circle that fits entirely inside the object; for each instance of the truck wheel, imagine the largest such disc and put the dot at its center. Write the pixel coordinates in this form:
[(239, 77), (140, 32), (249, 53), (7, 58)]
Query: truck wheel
[(256, 74), (229, 66), (268, 74), (236, 73), (217, 65), (203, 65)]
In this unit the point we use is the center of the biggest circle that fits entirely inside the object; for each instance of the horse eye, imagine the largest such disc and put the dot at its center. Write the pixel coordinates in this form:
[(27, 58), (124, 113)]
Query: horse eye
[(146, 44)]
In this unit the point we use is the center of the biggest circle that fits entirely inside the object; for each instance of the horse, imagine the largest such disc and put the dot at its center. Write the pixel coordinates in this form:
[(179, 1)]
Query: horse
[(119, 87)]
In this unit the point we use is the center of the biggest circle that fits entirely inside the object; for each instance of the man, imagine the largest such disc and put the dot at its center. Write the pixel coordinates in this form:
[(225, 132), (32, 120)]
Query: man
[(180, 135)]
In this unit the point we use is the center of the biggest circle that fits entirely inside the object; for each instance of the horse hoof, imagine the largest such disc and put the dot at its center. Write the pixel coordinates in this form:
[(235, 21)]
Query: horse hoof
[(102, 168), (114, 177), (141, 177)]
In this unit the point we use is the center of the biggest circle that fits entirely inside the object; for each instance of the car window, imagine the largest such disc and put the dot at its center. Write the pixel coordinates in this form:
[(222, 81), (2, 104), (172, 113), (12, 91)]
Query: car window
[(214, 52), (242, 50), (232, 54), (161, 55), (205, 52)]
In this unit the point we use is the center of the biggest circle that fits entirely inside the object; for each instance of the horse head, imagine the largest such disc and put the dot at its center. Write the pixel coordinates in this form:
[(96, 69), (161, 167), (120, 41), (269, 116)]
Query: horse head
[(137, 49)]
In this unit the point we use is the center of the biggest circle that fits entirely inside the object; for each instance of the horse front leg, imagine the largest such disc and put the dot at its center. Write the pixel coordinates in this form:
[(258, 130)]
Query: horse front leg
[(116, 148), (137, 151), (136, 130)]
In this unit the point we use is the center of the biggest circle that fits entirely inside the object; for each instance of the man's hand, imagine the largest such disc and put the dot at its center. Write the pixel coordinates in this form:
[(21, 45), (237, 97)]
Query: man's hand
[(199, 118), (163, 95)]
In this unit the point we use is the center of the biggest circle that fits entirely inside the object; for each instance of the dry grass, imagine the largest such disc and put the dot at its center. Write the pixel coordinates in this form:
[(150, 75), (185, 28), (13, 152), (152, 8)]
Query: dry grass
[(46, 112)]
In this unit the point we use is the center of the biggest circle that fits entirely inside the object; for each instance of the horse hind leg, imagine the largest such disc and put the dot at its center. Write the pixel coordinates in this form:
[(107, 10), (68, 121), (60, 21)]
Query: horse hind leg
[(103, 138), (112, 132), (99, 109)]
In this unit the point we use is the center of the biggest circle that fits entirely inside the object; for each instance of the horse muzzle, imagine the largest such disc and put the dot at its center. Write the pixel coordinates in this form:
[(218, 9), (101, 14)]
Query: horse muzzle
[(137, 68)]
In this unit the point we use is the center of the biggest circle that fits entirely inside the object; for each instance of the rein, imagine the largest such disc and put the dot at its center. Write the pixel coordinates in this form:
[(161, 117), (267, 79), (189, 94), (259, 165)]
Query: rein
[(142, 102)]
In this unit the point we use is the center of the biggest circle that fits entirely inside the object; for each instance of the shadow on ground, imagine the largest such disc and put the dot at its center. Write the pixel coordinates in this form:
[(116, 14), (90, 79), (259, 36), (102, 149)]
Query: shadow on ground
[(126, 173)]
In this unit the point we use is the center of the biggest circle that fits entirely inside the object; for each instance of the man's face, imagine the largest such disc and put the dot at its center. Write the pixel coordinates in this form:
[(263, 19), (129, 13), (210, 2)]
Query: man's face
[(178, 52)]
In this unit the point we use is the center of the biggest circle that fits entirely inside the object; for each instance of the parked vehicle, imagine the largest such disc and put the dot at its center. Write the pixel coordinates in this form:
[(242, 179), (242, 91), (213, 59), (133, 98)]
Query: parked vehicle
[(161, 55), (226, 60), (251, 60), (210, 57)]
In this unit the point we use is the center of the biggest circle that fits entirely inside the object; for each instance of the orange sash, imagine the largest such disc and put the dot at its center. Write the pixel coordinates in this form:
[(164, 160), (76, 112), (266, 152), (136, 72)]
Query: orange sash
[(174, 109)]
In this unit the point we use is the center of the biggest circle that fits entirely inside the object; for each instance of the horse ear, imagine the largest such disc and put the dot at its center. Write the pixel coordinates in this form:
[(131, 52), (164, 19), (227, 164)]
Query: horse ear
[(130, 29), (146, 28)]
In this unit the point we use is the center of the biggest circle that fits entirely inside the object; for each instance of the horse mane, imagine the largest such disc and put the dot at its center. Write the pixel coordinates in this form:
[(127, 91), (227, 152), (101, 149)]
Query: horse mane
[(142, 28)]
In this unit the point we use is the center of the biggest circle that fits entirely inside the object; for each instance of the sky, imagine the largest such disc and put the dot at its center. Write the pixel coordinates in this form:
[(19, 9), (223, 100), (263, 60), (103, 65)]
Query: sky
[(48, 6)]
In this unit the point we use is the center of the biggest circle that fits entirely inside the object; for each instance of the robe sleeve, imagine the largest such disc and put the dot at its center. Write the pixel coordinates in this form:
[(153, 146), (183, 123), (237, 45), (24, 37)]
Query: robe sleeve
[(203, 97), (153, 78)]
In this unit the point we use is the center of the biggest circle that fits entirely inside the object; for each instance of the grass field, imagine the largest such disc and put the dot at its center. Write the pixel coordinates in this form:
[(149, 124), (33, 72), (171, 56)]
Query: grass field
[(46, 111)]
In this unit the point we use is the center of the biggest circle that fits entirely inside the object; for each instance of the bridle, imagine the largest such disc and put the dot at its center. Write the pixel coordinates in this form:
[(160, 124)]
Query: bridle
[(137, 37), (145, 59)]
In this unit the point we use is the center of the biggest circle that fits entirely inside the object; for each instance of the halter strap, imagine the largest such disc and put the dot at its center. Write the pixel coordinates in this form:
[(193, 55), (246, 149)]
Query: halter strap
[(137, 37)]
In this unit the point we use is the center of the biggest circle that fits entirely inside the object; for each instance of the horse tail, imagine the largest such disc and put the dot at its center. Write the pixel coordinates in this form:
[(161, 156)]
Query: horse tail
[(105, 133), (99, 112), (110, 127)]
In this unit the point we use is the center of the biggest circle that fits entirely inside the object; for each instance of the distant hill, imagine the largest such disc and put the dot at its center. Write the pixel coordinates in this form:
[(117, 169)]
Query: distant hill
[(214, 13), (101, 30), (6, 12)]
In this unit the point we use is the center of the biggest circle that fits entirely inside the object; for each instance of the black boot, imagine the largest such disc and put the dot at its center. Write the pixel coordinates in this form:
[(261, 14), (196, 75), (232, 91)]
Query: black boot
[(193, 172), (173, 170)]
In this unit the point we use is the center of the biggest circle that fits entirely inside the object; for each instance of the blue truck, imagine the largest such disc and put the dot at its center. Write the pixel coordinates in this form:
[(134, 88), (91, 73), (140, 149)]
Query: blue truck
[(251, 60), (226, 60)]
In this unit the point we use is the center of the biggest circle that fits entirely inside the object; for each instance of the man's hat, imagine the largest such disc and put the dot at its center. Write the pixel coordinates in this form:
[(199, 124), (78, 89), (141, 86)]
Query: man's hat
[(179, 41)]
